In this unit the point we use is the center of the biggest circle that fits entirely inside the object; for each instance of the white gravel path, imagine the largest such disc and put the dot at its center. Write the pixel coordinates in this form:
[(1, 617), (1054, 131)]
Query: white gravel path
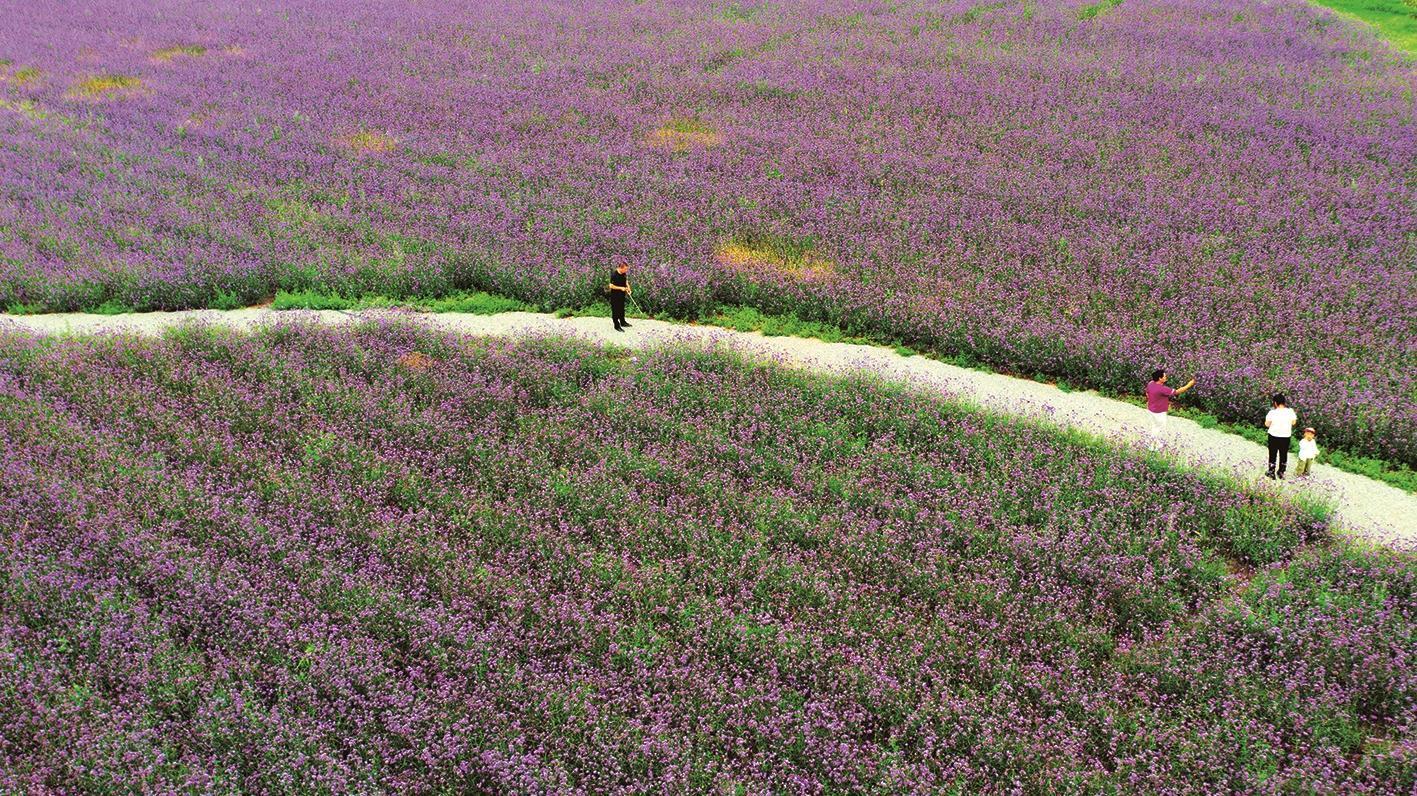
[(1370, 509)]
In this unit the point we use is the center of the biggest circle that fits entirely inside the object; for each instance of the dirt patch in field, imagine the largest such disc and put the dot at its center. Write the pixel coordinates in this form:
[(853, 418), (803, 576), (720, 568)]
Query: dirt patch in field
[(25, 108), (682, 135), (19, 76), (366, 142), (105, 86), (417, 361), (750, 260), (168, 54)]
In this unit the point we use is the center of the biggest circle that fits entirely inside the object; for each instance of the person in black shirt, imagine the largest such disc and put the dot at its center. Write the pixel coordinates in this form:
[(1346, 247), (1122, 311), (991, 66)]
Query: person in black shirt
[(619, 289)]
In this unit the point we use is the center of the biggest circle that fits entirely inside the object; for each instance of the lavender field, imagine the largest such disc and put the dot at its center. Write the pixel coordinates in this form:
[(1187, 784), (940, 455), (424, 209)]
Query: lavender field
[(385, 560), (1082, 190)]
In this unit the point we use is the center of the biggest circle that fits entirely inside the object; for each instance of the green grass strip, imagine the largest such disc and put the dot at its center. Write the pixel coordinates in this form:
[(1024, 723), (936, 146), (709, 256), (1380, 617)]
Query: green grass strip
[(472, 303), (1097, 9), (1395, 20)]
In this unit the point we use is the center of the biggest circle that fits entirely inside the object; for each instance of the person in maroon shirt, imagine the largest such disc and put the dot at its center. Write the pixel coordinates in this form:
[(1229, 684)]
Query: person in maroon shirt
[(1158, 403)]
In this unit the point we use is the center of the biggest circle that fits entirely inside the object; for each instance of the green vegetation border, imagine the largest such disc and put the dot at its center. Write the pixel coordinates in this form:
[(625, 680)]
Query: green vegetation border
[(1394, 20)]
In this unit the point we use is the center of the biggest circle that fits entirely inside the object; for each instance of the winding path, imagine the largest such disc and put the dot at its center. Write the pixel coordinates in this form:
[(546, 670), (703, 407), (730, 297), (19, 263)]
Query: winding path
[(1371, 509)]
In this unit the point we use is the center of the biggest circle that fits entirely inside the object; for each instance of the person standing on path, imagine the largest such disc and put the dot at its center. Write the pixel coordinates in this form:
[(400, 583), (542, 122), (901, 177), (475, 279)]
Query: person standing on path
[(1158, 403), (619, 289), (1308, 451), (1280, 423)]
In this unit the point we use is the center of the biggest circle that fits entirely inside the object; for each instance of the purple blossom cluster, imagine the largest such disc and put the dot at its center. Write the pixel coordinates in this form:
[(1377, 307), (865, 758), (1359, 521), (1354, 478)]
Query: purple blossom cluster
[(380, 559), (1088, 190)]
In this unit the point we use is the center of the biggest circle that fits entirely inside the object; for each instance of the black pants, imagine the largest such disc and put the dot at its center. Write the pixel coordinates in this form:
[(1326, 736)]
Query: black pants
[(1278, 449), (617, 308)]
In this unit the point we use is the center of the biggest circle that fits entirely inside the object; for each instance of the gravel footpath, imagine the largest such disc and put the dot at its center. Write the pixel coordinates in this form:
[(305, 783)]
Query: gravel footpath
[(1370, 509)]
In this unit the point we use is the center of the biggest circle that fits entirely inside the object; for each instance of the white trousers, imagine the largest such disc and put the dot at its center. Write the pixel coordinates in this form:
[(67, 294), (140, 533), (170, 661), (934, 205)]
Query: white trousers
[(1155, 428)]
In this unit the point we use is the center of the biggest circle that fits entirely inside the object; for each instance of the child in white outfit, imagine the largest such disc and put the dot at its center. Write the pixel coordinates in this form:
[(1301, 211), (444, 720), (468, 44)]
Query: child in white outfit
[(1308, 451)]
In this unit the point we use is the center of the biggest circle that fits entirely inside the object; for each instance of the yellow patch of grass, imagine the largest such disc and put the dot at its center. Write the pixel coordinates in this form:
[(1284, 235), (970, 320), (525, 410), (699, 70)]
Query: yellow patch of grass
[(25, 108), (367, 141), (681, 135), (417, 361), (748, 259), (104, 86), (180, 51), (21, 76)]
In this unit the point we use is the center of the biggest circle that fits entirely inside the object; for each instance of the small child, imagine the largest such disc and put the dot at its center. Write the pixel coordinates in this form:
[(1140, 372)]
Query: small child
[(1308, 451)]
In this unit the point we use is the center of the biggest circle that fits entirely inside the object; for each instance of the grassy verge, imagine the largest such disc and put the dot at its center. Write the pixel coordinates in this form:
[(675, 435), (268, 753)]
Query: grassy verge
[(474, 303), (1396, 20), (748, 319)]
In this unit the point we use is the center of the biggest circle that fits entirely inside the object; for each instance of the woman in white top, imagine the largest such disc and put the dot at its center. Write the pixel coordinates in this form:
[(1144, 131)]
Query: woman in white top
[(1280, 423)]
